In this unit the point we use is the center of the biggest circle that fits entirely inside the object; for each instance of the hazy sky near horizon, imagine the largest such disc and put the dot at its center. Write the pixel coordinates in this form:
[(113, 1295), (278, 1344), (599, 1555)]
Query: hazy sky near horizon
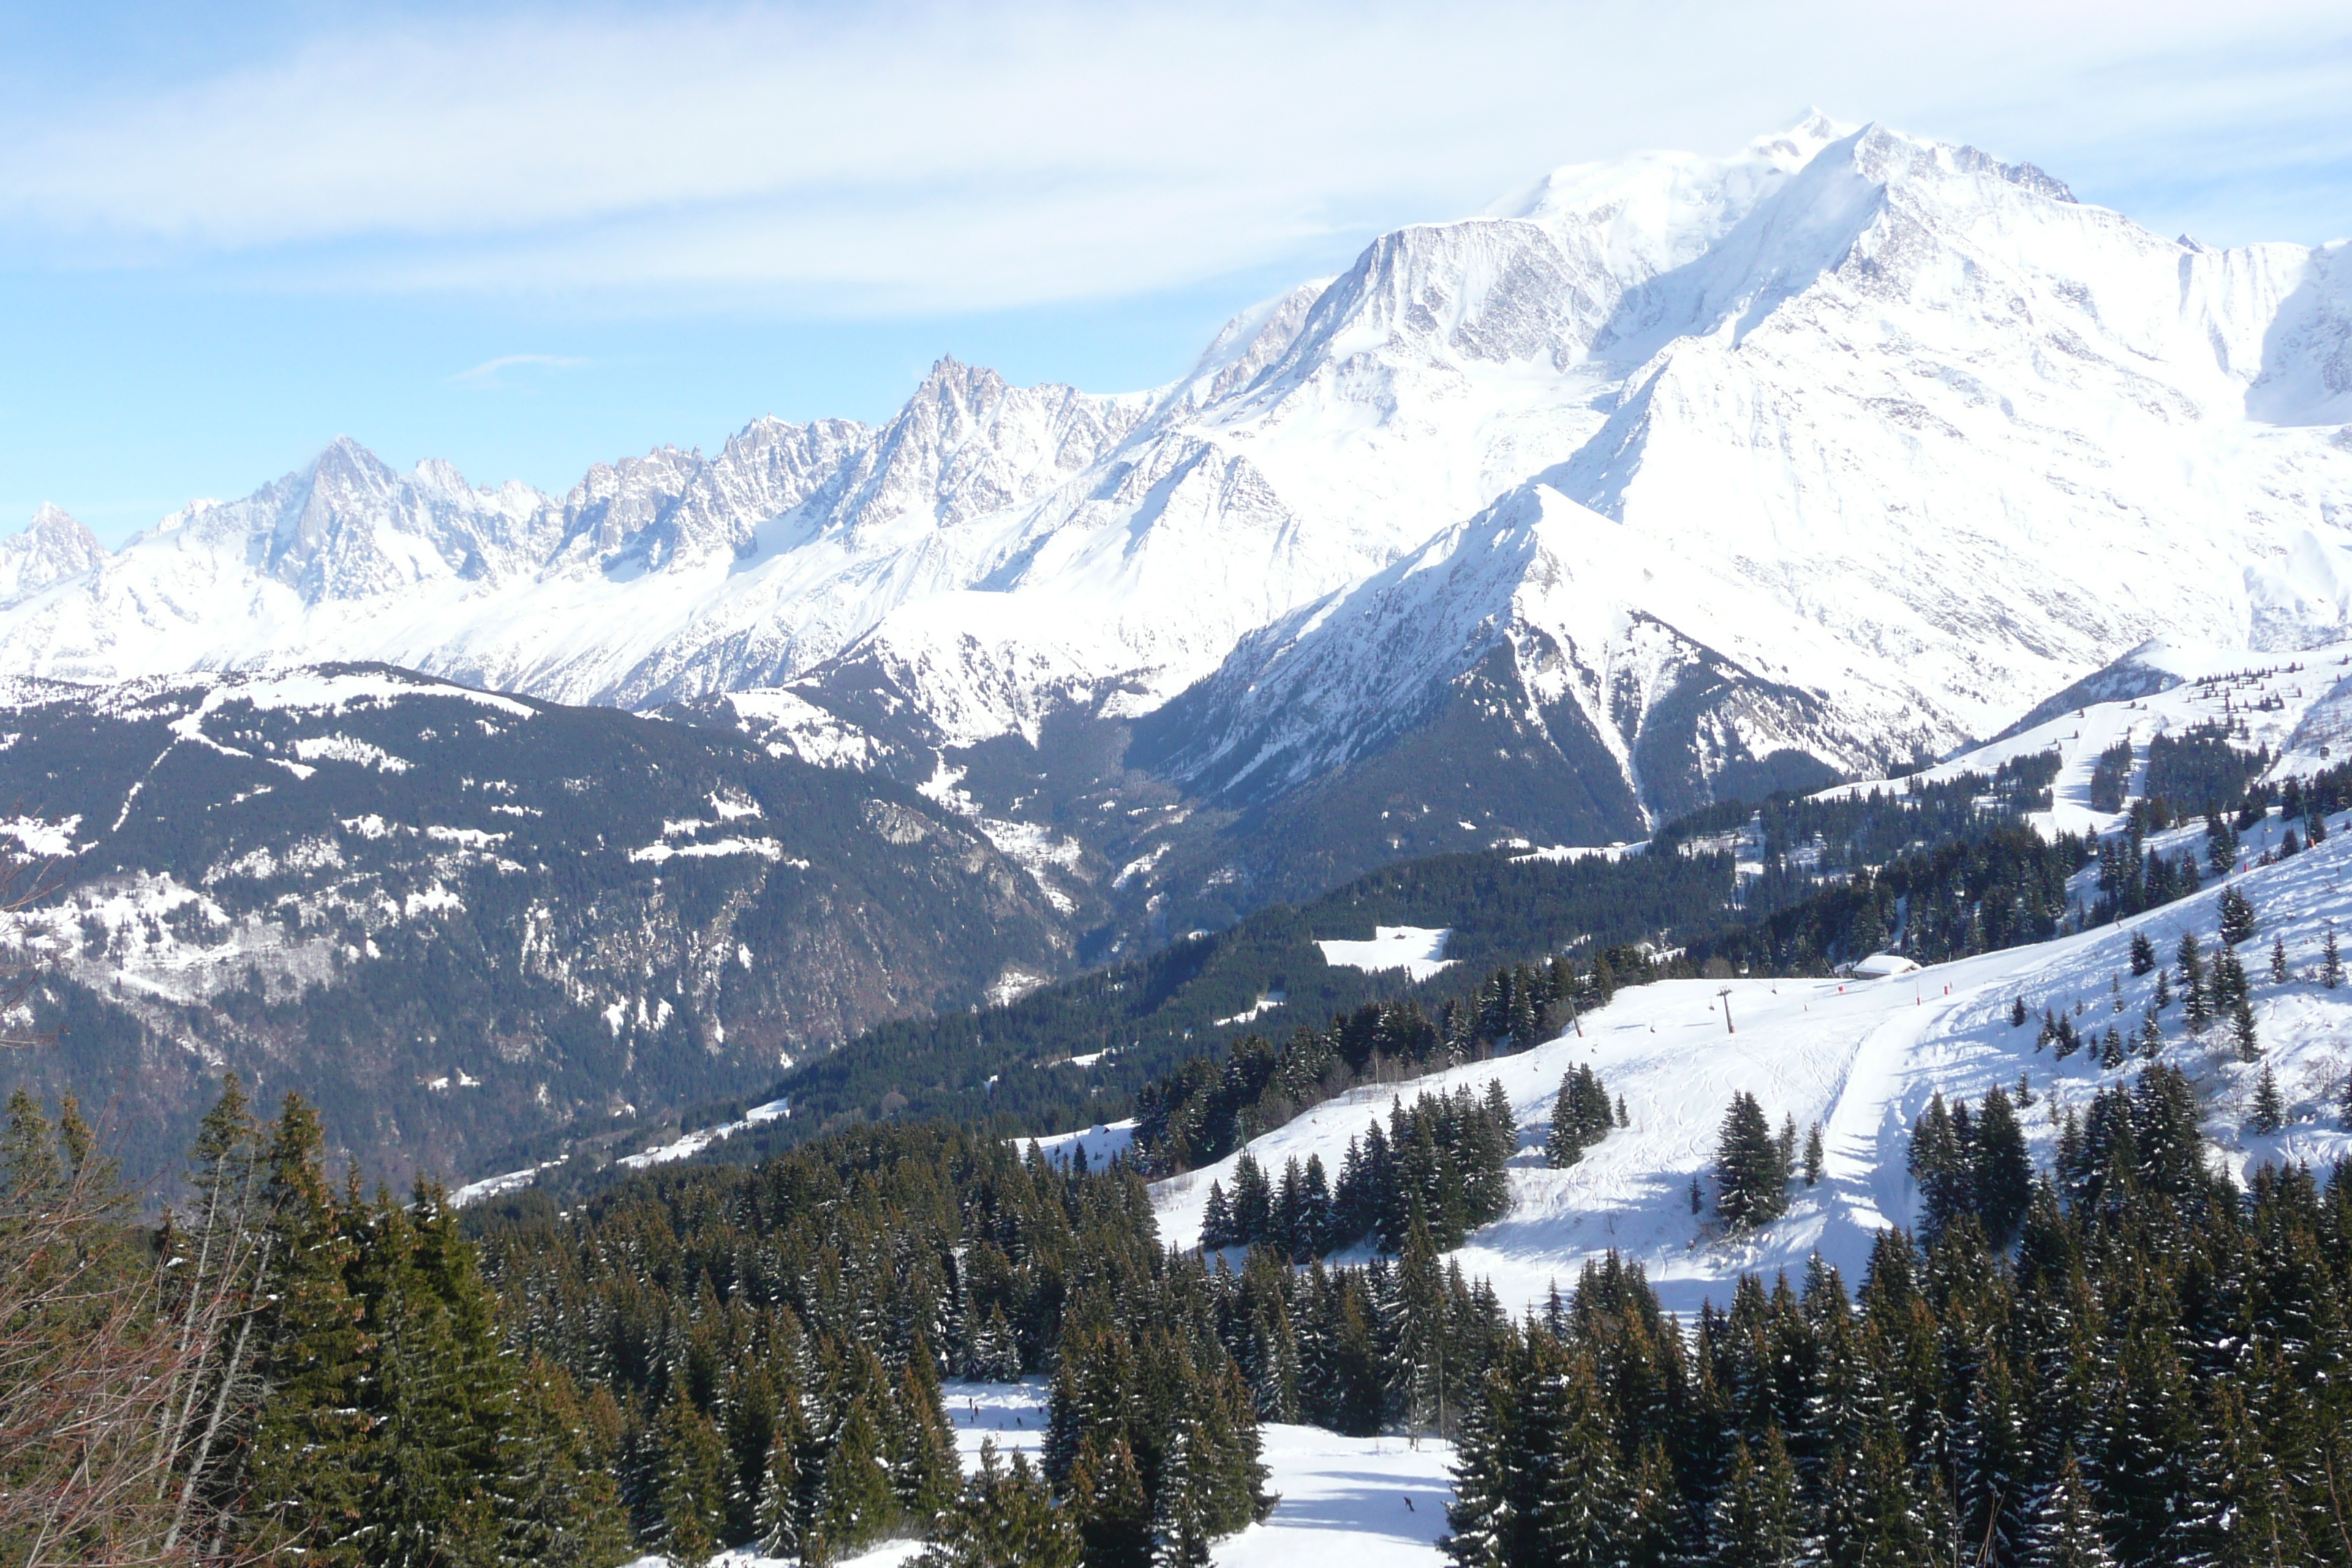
[(526, 237)]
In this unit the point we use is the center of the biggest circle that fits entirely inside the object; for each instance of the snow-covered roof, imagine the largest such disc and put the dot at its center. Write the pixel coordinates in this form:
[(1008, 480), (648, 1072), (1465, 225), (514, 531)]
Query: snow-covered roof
[(1879, 964)]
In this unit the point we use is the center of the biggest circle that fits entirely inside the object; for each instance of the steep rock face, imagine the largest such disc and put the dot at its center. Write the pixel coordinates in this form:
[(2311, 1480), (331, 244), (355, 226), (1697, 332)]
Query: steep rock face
[(1595, 638), (968, 443), (646, 514), (53, 548)]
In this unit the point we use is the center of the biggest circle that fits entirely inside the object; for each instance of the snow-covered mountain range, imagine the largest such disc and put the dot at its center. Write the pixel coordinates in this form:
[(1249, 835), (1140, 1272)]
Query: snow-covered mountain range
[(1668, 475)]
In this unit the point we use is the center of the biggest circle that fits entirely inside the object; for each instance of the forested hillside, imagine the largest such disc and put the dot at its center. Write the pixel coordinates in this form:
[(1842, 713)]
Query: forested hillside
[(453, 918)]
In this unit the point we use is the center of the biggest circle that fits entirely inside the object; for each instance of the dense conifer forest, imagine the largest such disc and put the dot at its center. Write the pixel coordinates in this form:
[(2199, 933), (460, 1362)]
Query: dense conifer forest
[(2124, 1361), (2120, 1359), (1131, 1025)]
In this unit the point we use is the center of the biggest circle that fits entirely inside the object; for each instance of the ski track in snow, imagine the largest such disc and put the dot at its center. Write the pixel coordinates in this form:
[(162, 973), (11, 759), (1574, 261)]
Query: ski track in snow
[(1339, 1497), (1860, 1058)]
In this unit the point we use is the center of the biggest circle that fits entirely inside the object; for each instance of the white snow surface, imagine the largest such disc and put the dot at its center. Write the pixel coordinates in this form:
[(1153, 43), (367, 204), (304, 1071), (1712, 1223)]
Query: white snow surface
[(1102, 1141), (2298, 704), (1419, 951), (1862, 1059), (1895, 431), (696, 1143), (1342, 1499)]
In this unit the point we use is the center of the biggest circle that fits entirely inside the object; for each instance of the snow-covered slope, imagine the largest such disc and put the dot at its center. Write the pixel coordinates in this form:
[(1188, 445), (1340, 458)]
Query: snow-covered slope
[(1862, 1059), (1335, 1497), (1843, 446), (52, 548), (2297, 706)]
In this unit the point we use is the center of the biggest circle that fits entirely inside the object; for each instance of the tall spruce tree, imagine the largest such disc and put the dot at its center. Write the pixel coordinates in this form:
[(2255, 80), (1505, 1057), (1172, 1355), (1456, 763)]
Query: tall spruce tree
[(2269, 1111), (306, 1460), (2003, 1173), (2239, 922), (1755, 1521), (2066, 1531), (1005, 1518), (2242, 1032), (1750, 1176)]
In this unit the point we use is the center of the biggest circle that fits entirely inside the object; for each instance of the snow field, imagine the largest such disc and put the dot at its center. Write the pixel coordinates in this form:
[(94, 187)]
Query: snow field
[(1862, 1059), (1341, 1497), (1101, 1142), (2217, 686), (1419, 951)]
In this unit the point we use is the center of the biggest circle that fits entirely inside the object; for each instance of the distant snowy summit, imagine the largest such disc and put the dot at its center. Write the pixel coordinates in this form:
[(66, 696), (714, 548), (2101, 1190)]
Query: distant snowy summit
[(1672, 476)]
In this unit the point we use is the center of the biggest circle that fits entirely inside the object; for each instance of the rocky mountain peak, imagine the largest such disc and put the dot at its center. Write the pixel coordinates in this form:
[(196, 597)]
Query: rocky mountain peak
[(52, 548)]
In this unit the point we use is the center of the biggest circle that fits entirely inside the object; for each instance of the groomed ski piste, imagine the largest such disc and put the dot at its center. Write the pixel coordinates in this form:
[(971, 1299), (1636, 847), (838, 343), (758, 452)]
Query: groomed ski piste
[(1370, 1502), (1862, 1057)]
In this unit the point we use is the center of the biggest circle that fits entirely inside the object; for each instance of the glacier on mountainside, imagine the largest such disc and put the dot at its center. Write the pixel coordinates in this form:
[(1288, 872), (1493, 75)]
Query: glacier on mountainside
[(1843, 447)]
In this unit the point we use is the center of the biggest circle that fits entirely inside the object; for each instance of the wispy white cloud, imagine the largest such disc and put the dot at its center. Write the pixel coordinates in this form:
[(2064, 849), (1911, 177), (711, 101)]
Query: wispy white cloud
[(492, 372), (932, 157)]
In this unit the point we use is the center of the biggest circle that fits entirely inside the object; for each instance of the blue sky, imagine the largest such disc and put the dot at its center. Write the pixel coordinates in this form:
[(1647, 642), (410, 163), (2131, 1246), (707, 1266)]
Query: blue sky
[(525, 238)]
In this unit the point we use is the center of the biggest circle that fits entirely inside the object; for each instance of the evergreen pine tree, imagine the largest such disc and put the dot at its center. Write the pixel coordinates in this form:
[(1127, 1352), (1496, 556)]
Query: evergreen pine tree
[(1813, 1155), (435, 1399), (2269, 1114), (2244, 1511), (1253, 1202), (1994, 1459), (1005, 1518), (2003, 1169), (855, 1502), (2331, 966), (690, 1482), (1581, 1509), (1564, 1144), (2143, 953), (1940, 1164), (777, 1518), (1754, 1523), (1752, 1177), (2017, 1014), (2221, 844), (1114, 1515), (1314, 1213), (2066, 1531), (2238, 922), (1177, 1536), (2278, 960), (309, 1437), (1217, 1221), (2229, 983), (920, 1442), (2242, 1032)]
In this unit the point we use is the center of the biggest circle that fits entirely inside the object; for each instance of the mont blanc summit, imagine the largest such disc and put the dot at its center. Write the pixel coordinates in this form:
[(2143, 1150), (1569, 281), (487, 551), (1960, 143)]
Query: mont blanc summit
[(1829, 453)]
